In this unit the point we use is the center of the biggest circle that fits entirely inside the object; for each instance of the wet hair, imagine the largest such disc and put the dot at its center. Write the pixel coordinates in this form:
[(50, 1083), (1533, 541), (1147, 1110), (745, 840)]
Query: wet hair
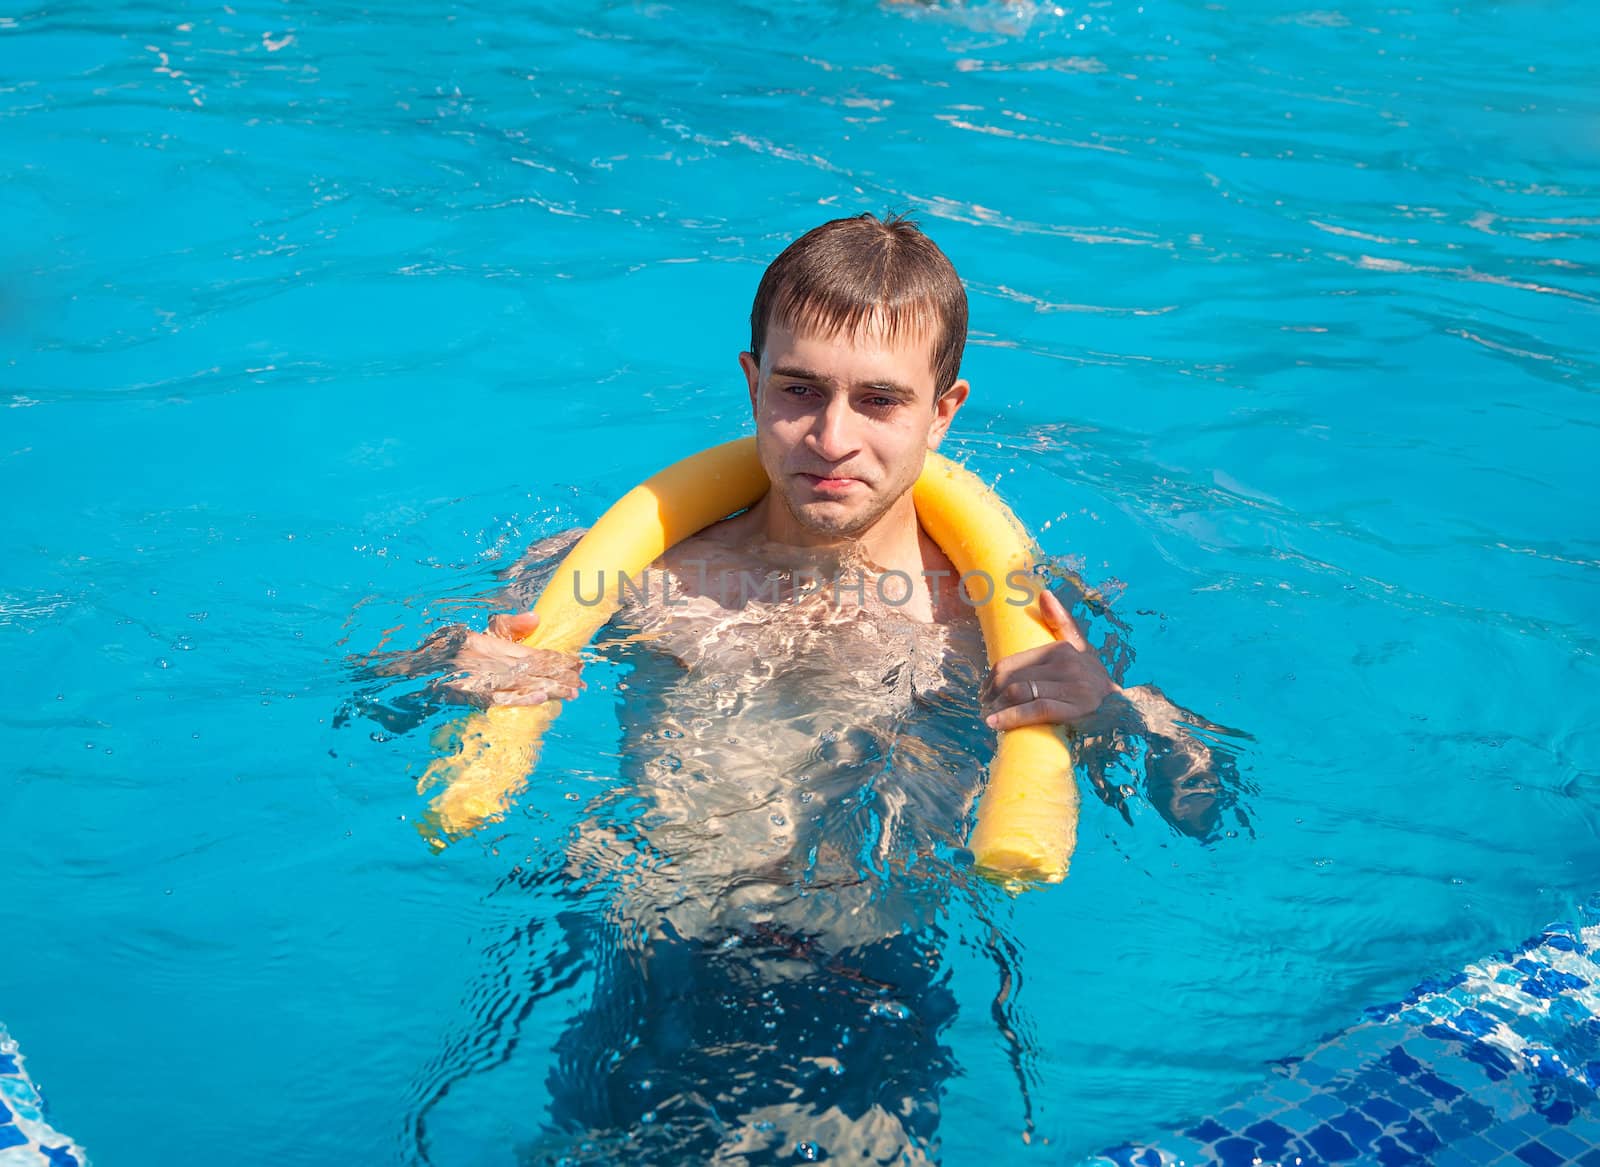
[(867, 272)]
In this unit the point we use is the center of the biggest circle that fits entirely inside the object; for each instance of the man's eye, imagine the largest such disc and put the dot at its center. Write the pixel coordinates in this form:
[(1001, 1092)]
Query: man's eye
[(883, 402), (796, 390)]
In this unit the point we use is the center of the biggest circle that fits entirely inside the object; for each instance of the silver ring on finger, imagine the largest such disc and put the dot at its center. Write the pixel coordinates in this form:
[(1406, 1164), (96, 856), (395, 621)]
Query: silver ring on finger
[(1033, 690)]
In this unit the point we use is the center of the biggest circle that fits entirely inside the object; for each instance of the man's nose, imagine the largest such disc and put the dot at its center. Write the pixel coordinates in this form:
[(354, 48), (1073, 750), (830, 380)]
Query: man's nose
[(833, 435)]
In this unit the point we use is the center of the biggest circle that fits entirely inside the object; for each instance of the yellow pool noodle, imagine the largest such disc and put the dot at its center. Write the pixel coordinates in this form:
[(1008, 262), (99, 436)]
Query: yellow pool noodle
[(1028, 814)]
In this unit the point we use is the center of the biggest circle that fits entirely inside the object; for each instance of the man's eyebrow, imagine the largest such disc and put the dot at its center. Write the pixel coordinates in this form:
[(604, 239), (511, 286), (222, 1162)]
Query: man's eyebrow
[(797, 373), (892, 388)]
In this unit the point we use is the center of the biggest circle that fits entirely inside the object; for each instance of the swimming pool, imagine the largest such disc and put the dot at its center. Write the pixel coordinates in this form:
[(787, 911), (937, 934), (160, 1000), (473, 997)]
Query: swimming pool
[(1284, 331)]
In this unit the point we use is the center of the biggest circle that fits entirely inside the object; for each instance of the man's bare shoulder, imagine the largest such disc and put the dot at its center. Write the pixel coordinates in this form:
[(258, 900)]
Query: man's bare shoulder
[(728, 546)]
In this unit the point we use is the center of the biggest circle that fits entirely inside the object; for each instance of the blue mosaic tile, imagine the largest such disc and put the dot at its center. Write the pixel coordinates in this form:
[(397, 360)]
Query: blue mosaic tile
[(1557, 1101), (1375, 1079), (1417, 1135), (1324, 1106), (1437, 1086), (1297, 1121), (1402, 1063), (1466, 1117), (1411, 1098), (1237, 1118), (1391, 1153), (1479, 1149), (25, 1137), (1459, 1072), (1316, 1075), (1531, 1123), (1498, 1063), (1356, 1127), (1236, 1152), (1548, 983), (1536, 1154), (1382, 1110), (1291, 1090), (1186, 1151), (1493, 1060), (1563, 931), (1350, 1093), (1340, 1057), (1331, 1145), (1505, 1136), (1208, 1131), (1564, 1144), (1586, 1127), (1474, 1023), (1272, 1138), (1365, 1042), (1303, 1156)]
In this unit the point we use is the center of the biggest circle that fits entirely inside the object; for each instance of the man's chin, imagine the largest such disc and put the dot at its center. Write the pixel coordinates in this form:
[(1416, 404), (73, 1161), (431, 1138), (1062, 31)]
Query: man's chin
[(831, 519)]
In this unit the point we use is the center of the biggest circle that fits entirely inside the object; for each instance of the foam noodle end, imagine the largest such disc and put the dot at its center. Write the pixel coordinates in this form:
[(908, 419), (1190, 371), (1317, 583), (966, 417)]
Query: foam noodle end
[(1028, 816), (490, 767)]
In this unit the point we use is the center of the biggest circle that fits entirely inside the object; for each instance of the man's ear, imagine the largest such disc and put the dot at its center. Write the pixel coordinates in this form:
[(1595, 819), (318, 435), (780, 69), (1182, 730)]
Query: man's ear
[(752, 374), (945, 410)]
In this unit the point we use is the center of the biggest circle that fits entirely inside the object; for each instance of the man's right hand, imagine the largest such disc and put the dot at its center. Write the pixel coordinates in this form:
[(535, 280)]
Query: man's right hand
[(487, 668)]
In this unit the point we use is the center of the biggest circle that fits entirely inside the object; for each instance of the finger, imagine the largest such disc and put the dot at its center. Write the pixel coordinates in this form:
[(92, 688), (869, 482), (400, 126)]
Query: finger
[(507, 625), (513, 625), (563, 671), (538, 696), (1041, 712), (1069, 703), (1060, 622), (1010, 669), (519, 696)]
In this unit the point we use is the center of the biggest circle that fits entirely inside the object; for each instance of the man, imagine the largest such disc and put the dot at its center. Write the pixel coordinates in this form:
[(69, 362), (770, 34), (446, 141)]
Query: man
[(804, 758), (857, 334)]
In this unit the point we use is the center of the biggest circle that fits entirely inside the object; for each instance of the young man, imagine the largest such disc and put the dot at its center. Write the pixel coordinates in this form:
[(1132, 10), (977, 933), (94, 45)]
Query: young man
[(857, 334), (779, 869)]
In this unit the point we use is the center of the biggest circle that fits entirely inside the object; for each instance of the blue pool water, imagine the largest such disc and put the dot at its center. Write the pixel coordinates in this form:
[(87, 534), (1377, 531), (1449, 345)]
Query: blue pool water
[(1285, 332)]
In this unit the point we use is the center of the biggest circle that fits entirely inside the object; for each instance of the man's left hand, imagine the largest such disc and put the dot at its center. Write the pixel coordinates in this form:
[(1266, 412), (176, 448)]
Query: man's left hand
[(1055, 684)]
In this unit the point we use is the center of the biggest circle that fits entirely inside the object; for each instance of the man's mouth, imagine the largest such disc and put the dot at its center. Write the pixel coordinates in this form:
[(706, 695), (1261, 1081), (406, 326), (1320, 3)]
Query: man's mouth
[(829, 484)]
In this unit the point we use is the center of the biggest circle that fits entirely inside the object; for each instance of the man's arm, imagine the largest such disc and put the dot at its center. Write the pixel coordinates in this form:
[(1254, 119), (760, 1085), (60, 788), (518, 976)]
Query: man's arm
[(493, 667), (1067, 684)]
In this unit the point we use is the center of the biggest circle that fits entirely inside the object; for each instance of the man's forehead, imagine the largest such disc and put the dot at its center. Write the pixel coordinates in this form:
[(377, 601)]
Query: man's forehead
[(872, 339)]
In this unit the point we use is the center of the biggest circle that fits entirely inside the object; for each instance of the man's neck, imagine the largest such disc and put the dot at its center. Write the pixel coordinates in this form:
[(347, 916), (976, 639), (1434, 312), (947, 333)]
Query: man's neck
[(892, 543)]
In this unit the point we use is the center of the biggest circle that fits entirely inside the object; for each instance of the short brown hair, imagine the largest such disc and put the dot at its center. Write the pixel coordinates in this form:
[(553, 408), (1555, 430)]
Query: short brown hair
[(849, 273)]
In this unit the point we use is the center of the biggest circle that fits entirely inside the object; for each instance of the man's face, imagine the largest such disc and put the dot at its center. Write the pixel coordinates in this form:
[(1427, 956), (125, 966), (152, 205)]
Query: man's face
[(842, 424)]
